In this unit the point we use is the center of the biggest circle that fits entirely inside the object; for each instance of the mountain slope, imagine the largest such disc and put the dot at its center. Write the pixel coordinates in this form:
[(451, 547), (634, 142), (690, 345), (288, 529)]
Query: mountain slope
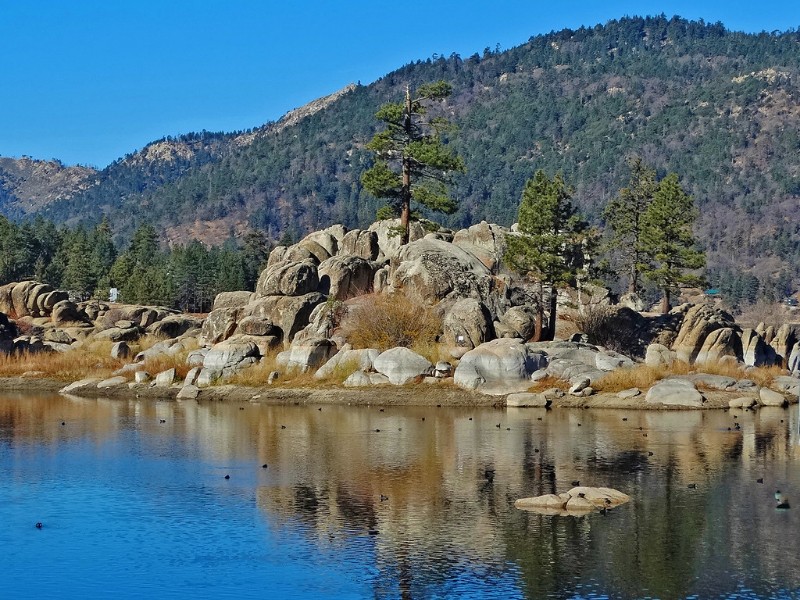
[(720, 108)]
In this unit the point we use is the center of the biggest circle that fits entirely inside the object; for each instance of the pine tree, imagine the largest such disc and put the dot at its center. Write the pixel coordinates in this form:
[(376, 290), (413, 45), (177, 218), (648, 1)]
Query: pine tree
[(667, 239), (413, 145), (549, 245), (624, 215)]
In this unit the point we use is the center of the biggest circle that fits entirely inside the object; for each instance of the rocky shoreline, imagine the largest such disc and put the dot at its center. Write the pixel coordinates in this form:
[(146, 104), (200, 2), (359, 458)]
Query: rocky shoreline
[(310, 311), (386, 395)]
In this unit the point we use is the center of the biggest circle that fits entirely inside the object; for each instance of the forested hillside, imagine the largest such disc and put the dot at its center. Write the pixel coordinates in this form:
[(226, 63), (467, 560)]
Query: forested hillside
[(720, 108)]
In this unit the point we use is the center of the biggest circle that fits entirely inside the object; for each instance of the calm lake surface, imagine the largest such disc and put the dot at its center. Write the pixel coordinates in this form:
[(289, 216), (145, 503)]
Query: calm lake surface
[(135, 507)]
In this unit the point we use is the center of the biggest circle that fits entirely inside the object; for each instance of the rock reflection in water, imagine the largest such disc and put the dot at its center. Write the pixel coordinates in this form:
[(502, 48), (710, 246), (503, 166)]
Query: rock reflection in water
[(427, 505)]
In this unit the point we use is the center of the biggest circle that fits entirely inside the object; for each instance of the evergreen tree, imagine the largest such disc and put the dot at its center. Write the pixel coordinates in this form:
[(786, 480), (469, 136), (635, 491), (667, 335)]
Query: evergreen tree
[(101, 258), (667, 239), (549, 245), (78, 276), (624, 216), (255, 253), (413, 144)]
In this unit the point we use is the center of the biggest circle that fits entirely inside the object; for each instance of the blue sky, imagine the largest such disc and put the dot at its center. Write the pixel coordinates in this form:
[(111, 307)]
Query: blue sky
[(87, 81)]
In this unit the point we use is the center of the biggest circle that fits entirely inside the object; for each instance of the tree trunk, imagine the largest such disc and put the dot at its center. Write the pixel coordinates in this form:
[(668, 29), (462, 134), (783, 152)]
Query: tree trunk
[(551, 324), (665, 301), (405, 192), (632, 283), (537, 328)]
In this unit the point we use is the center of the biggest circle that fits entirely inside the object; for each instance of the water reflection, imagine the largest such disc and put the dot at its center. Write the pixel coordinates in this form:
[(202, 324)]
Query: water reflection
[(421, 499)]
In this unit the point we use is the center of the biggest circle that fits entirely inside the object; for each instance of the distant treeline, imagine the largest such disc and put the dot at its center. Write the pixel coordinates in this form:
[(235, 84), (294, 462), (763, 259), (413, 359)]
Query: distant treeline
[(87, 263)]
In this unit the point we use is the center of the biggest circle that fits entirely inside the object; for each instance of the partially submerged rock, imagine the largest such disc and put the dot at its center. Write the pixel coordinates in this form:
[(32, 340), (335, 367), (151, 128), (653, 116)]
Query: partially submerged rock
[(577, 501)]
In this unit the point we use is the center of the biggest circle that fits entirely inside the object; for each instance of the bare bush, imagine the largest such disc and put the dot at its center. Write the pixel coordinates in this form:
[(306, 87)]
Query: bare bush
[(386, 321)]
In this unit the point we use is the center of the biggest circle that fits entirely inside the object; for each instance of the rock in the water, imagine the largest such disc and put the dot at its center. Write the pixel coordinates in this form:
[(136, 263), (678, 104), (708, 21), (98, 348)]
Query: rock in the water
[(402, 365), (499, 367), (80, 384), (675, 392), (768, 397), (577, 501), (744, 402)]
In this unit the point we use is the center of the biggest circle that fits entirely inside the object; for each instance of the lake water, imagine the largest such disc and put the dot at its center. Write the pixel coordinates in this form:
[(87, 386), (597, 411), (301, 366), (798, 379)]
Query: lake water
[(133, 507)]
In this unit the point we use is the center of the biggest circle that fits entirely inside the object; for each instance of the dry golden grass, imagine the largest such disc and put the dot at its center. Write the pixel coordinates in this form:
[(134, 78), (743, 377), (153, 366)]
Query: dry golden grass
[(386, 321), (548, 383), (86, 361), (640, 376), (644, 377)]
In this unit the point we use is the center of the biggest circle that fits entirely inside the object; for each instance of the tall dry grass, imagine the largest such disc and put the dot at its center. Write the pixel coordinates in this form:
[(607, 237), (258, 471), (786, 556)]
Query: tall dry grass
[(644, 377), (88, 360), (386, 321)]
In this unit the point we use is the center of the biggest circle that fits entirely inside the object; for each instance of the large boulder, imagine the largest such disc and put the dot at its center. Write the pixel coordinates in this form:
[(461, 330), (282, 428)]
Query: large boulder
[(389, 236), (486, 241), (6, 303), (360, 360), (361, 243), (675, 392), (228, 355), (8, 331), (755, 350), (467, 324), (310, 354), (498, 367), (288, 278), (19, 298), (256, 326), (232, 299), (719, 343), (785, 338), (518, 322), (435, 270), (174, 326), (658, 355), (343, 277), (699, 322), (220, 324), (402, 365), (289, 314), (793, 362)]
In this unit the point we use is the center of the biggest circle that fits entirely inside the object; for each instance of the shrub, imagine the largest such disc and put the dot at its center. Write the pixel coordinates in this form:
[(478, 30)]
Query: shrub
[(385, 321), (602, 326)]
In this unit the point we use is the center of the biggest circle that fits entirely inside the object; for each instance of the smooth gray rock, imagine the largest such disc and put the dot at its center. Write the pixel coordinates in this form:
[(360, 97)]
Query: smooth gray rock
[(768, 397), (657, 355), (232, 299), (606, 360), (675, 392), (402, 365), (220, 324), (715, 382), (629, 393), (745, 402), (310, 354), (362, 360), (191, 376), (288, 278), (499, 367), (165, 378), (579, 386), (467, 324), (196, 357), (528, 399), (357, 379), (228, 354), (115, 334), (188, 392), (343, 277), (81, 383), (208, 377), (112, 382), (141, 377), (787, 384)]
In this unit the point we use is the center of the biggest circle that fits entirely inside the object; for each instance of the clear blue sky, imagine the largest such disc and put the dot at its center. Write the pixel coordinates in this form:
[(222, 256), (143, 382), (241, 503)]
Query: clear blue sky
[(87, 81)]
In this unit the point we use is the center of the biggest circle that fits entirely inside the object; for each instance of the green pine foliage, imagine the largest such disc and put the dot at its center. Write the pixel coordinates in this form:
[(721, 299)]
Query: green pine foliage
[(668, 241), (549, 244)]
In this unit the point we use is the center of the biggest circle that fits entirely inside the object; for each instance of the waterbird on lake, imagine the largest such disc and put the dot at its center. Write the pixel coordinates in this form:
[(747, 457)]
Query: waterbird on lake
[(508, 428), (692, 486), (778, 495), (264, 466), (624, 418), (241, 408), (39, 525), (488, 474), (498, 425), (384, 498), (63, 423), (760, 480), (423, 418), (381, 410), (162, 420), (320, 409), (227, 476), (576, 483), (783, 501), (650, 453), (536, 450), (377, 431), (538, 418), (283, 426)]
